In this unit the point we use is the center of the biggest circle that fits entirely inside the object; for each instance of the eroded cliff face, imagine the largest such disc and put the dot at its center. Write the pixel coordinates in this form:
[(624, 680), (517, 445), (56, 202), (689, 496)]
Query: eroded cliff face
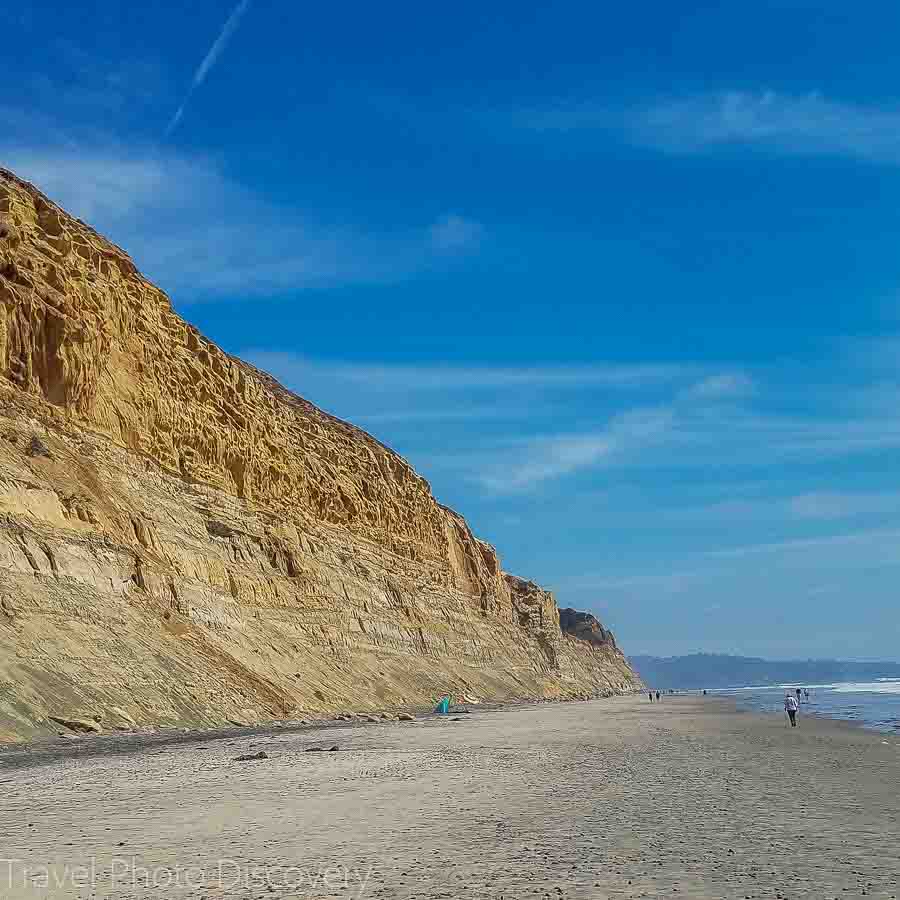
[(585, 627), (183, 541)]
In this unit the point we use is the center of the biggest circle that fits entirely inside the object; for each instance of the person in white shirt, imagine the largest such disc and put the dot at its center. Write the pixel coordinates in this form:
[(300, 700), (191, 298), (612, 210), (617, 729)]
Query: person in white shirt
[(791, 706)]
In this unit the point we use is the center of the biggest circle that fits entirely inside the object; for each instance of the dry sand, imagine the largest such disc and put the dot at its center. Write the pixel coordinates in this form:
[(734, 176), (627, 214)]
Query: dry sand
[(614, 798)]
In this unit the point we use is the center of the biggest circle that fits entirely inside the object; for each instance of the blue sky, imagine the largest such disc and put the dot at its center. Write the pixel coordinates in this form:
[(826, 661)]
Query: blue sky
[(621, 282)]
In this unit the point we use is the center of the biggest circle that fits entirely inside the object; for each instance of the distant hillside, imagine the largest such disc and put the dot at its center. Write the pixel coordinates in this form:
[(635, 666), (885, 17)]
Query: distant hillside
[(714, 670)]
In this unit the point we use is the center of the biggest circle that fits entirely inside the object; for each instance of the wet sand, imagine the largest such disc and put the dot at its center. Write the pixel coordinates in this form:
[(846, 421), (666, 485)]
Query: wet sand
[(612, 798)]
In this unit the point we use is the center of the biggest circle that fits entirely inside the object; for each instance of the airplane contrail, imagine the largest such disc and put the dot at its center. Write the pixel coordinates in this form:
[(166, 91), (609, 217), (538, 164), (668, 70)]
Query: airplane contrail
[(212, 56)]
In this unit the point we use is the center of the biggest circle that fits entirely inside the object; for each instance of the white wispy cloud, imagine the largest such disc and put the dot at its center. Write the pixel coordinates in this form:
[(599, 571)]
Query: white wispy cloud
[(692, 439), (743, 436), (879, 537), (696, 421), (103, 186), (550, 458), (722, 386), (545, 460), (452, 232), (811, 506), (200, 234), (295, 369), (211, 58), (827, 505), (783, 570), (687, 441), (461, 413), (666, 582), (794, 124), (805, 125), (400, 399)]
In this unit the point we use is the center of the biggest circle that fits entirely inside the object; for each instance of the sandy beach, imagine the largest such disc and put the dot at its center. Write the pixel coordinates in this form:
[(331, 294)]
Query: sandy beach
[(612, 798)]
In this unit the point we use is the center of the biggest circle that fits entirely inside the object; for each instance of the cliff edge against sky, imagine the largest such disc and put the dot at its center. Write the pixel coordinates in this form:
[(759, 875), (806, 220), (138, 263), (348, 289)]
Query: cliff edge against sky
[(183, 541)]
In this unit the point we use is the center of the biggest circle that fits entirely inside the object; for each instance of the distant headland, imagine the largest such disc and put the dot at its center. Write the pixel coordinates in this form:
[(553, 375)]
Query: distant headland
[(718, 670)]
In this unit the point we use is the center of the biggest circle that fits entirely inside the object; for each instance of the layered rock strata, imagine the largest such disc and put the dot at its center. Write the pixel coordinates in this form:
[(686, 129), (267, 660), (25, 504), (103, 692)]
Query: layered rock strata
[(185, 542), (585, 627)]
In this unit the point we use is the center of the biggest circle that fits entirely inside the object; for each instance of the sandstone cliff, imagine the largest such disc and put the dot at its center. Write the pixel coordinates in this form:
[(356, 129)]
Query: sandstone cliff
[(585, 627), (184, 541)]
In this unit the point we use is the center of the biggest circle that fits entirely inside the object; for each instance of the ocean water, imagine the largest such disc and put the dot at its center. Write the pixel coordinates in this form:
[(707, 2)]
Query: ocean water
[(874, 704)]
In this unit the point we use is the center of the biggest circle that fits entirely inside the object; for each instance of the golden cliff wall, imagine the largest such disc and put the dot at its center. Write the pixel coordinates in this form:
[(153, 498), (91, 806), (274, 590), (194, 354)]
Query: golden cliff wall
[(184, 541)]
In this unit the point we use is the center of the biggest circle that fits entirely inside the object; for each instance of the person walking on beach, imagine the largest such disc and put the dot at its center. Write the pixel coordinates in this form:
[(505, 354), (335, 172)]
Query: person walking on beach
[(790, 707), (657, 696), (798, 698), (650, 695)]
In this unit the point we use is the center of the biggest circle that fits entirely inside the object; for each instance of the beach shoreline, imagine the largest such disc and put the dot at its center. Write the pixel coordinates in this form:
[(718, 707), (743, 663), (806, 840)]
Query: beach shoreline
[(867, 705), (689, 797), (83, 746), (46, 751)]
